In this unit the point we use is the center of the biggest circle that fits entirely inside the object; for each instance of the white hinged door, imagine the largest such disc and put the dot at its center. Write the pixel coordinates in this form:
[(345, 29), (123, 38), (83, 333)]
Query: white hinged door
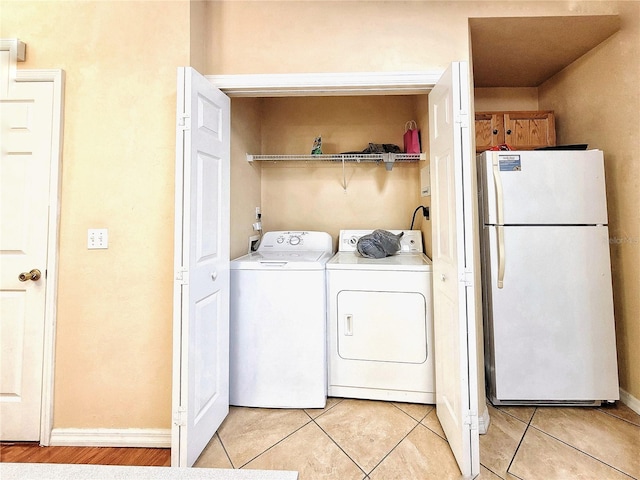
[(30, 116), (201, 262), (453, 266)]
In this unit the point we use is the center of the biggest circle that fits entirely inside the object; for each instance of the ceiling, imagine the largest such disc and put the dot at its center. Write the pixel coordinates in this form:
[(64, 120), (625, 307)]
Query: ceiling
[(526, 51)]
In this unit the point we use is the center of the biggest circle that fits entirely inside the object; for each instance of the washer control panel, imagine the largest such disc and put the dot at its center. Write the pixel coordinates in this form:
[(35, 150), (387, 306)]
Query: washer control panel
[(410, 242), (299, 241)]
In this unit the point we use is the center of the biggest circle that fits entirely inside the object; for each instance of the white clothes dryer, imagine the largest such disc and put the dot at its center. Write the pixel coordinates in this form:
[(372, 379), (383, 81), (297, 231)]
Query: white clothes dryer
[(380, 344), (278, 322)]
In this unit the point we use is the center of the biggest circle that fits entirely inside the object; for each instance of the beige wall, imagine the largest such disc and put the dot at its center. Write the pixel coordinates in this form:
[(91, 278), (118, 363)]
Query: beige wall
[(505, 99), (328, 36), (312, 197), (114, 307), (113, 345), (246, 137), (597, 101), (198, 34)]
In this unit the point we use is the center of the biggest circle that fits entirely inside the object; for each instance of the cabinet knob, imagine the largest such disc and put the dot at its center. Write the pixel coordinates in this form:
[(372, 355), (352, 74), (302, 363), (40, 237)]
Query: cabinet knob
[(495, 131), (509, 132)]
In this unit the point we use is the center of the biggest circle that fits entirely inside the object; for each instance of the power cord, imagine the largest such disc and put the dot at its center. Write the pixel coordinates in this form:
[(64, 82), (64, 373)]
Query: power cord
[(425, 213)]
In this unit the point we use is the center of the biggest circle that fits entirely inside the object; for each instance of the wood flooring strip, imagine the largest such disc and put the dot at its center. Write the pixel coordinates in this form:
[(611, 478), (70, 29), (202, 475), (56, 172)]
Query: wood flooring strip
[(34, 453)]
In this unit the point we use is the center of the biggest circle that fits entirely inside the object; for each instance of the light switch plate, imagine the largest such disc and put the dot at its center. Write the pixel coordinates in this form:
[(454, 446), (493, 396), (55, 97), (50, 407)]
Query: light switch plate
[(97, 238)]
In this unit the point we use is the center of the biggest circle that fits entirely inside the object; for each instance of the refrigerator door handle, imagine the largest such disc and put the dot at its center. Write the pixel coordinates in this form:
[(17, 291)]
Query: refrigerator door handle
[(501, 257), (497, 182)]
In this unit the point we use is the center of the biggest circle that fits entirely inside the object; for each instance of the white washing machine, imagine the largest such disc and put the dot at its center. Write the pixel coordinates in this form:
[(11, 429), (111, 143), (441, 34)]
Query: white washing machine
[(380, 344), (278, 322)]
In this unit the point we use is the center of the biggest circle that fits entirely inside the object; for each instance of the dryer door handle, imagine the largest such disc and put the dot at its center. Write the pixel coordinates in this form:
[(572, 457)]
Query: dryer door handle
[(348, 325)]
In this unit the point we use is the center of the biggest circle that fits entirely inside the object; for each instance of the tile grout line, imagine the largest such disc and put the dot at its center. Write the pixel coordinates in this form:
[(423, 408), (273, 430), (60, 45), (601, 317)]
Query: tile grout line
[(311, 419), (411, 417), (573, 447), (518, 448), (338, 445), (396, 446), (535, 410), (601, 410), (224, 449), (277, 443), (512, 415), (433, 431), (366, 475), (325, 409)]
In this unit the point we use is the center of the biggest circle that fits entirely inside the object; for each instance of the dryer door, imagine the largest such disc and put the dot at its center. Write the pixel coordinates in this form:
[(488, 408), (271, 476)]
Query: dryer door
[(382, 326)]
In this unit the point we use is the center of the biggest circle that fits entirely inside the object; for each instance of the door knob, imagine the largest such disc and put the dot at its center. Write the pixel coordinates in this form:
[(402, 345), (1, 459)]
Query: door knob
[(443, 277), (34, 275)]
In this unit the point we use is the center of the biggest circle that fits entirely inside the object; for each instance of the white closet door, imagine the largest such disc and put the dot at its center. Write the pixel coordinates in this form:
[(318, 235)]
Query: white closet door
[(453, 261), (201, 294)]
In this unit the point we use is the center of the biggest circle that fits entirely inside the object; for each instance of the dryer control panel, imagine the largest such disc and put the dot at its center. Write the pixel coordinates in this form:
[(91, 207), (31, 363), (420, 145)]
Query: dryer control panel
[(411, 241)]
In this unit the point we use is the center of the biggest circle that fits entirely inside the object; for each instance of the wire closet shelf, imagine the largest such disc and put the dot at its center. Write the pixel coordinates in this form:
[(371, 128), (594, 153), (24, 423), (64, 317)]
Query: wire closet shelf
[(387, 158)]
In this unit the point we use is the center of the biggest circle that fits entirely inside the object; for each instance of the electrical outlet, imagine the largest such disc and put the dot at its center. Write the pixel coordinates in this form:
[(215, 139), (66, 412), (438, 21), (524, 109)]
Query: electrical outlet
[(97, 238), (254, 240), (258, 213)]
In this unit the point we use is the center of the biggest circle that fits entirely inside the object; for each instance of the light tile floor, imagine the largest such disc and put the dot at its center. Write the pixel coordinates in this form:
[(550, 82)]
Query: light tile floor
[(361, 439)]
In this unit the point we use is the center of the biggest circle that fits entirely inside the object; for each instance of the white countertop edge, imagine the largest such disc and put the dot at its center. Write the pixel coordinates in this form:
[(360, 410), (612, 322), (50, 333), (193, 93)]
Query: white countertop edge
[(53, 471)]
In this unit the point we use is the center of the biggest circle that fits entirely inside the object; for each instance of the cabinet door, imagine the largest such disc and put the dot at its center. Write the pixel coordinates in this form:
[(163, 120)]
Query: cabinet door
[(489, 130), (529, 130)]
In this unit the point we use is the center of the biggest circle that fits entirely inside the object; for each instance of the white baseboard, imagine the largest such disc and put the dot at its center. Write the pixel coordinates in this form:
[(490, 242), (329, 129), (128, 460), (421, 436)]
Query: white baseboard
[(111, 437), (483, 421), (630, 401)]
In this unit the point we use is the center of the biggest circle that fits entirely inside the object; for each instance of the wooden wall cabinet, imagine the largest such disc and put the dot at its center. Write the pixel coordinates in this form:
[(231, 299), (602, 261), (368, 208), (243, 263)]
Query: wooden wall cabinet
[(520, 130)]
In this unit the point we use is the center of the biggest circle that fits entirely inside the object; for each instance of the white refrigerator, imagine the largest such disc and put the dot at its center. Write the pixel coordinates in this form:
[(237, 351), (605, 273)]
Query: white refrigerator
[(547, 294)]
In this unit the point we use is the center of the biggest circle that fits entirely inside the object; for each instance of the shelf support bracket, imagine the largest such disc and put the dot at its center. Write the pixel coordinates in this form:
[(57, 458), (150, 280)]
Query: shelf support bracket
[(344, 177), (388, 159)]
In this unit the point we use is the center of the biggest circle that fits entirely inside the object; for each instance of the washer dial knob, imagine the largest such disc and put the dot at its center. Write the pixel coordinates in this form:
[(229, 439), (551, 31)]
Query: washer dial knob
[(294, 240)]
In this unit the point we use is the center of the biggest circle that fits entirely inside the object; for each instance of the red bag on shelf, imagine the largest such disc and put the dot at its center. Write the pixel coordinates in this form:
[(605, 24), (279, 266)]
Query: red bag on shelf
[(411, 137), (501, 147)]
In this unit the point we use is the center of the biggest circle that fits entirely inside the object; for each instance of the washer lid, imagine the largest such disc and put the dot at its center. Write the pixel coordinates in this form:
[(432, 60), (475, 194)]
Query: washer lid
[(399, 262), (299, 260)]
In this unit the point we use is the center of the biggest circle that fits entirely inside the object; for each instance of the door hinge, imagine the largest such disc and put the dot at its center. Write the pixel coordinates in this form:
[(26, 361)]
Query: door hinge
[(180, 417), (461, 119), (184, 121), (467, 278), (471, 420), (182, 276)]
